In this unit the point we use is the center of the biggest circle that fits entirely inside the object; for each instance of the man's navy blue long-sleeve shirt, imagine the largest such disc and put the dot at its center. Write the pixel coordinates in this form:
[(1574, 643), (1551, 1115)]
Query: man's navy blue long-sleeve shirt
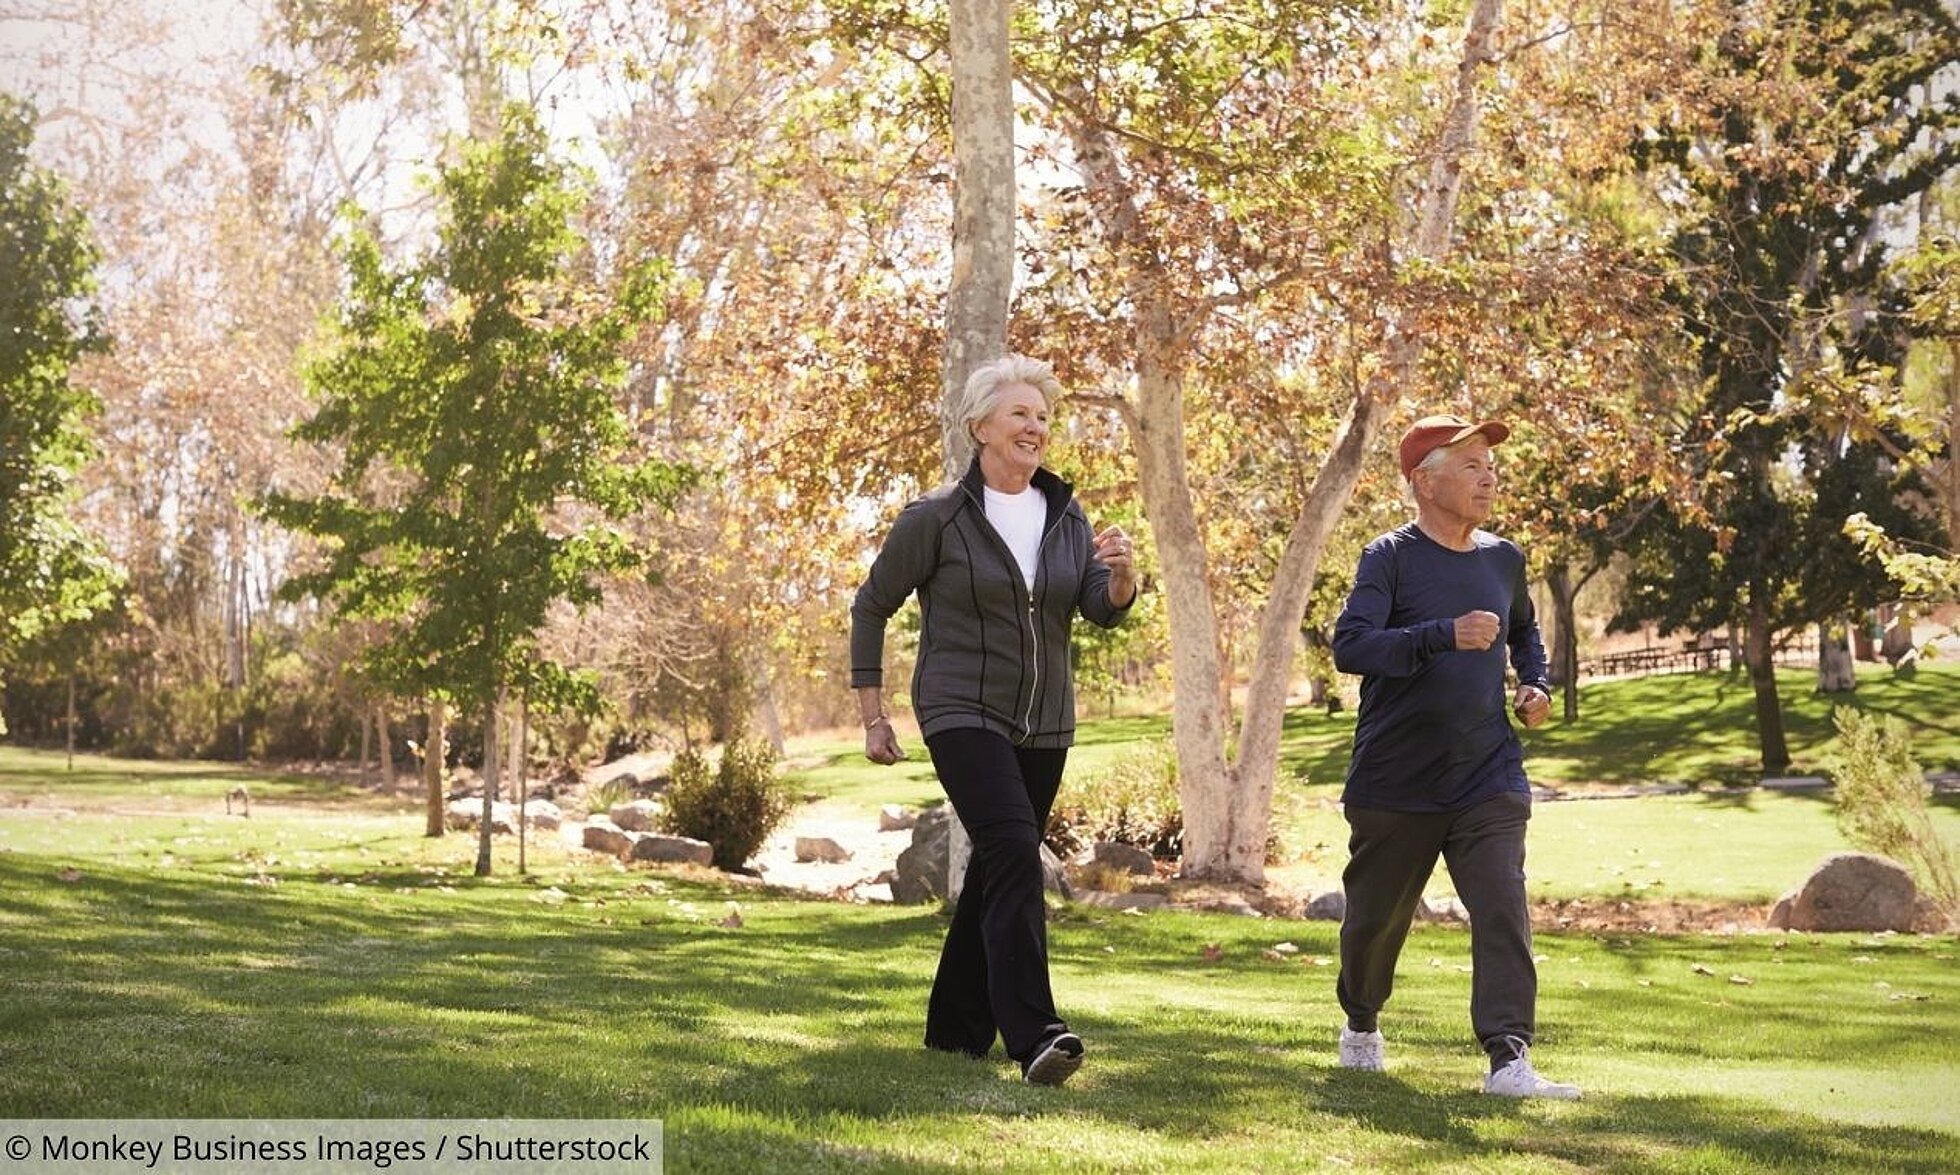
[(1434, 730)]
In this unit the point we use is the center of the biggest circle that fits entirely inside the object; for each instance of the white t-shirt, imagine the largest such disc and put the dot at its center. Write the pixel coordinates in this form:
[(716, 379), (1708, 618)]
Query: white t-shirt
[(1019, 518)]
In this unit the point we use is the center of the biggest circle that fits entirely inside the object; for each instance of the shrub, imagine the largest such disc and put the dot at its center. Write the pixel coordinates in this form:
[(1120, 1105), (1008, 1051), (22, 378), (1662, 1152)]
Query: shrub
[(1881, 798), (734, 808), (1133, 802)]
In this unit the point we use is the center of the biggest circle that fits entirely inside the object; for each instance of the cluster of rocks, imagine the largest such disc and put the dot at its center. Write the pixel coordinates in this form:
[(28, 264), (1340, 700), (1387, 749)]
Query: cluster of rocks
[(628, 831)]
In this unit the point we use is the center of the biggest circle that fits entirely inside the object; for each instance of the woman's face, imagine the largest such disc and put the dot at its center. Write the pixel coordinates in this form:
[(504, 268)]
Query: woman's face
[(1016, 431)]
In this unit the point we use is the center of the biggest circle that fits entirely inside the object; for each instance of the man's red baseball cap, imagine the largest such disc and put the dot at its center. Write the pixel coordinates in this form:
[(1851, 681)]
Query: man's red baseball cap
[(1433, 432)]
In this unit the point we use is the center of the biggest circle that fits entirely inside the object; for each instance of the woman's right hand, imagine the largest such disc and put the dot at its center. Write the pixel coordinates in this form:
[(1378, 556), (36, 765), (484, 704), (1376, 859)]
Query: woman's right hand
[(881, 743)]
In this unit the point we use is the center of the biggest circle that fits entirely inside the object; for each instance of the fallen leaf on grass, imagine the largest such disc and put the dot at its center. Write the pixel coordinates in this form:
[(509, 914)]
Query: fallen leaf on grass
[(1919, 997), (1273, 956), (1320, 961), (1702, 969), (1285, 948), (1212, 952), (68, 875), (1742, 981)]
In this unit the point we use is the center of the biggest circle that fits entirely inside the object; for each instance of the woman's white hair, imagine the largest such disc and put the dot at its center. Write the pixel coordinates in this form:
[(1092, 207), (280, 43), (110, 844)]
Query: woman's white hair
[(983, 386)]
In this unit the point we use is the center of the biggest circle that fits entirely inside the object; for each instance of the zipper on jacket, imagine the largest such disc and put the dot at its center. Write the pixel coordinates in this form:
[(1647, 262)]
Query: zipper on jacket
[(1034, 660)]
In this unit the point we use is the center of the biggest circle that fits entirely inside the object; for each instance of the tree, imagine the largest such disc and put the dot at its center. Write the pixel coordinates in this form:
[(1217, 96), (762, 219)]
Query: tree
[(1806, 126), (51, 573), (477, 385), (983, 207), (1198, 157)]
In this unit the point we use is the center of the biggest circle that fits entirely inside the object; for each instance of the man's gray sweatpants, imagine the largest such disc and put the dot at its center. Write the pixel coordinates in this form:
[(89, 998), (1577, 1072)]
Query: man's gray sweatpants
[(1390, 858)]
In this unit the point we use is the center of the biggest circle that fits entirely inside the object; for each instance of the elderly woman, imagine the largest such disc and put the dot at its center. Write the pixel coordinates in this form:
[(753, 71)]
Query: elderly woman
[(1001, 561)]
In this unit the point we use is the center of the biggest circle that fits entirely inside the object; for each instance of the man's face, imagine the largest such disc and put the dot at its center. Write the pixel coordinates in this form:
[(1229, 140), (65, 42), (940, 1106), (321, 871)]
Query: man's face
[(1464, 485)]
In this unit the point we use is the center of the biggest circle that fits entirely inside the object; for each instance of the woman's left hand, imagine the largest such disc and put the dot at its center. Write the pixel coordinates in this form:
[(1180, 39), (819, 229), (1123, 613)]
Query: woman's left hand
[(1114, 548)]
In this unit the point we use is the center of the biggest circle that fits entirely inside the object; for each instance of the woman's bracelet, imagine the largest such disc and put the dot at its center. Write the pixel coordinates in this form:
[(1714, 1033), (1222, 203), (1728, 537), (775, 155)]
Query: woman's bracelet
[(870, 723)]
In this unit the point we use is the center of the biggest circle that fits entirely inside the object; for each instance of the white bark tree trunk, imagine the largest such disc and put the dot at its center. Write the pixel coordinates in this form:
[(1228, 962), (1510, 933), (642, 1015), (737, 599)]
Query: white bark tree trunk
[(983, 208), (1228, 803), (433, 756), (983, 247), (492, 726)]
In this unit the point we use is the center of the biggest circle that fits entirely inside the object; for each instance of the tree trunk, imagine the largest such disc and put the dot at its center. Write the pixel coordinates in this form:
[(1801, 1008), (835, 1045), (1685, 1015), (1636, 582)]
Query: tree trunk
[(983, 248), (1565, 634), (71, 719), (386, 757), (1837, 673), (1761, 658), (1864, 637), (367, 734), (520, 759), (492, 728), (434, 752), (1227, 804), (766, 714), (983, 208)]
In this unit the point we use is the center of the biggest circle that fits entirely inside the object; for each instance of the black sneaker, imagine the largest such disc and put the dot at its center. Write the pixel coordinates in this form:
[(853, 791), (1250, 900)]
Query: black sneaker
[(1055, 1061)]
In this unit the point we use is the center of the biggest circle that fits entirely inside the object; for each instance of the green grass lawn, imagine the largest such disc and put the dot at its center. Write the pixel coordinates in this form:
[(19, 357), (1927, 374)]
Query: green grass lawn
[(321, 959)]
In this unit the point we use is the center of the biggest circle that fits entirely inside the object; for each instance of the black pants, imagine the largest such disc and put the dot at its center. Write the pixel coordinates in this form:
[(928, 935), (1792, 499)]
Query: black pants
[(1390, 858), (993, 970)]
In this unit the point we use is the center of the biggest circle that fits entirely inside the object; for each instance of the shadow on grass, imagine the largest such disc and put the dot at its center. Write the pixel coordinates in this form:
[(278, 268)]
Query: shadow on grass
[(788, 1043), (1628, 1133)]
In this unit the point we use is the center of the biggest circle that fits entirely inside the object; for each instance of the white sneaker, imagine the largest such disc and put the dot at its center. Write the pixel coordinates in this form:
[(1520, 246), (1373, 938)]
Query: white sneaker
[(1519, 1079), (1362, 1050)]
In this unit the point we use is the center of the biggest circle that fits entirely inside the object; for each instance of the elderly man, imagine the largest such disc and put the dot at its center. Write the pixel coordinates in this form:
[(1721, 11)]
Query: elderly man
[(1437, 770)]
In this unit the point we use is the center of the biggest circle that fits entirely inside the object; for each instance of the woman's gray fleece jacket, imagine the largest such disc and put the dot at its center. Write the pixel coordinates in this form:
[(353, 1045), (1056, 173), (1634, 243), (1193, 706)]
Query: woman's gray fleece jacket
[(991, 655)]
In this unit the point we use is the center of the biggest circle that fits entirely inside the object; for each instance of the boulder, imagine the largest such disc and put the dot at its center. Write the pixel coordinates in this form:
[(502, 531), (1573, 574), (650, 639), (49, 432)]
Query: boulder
[(1054, 875), (603, 836), (821, 848), (1850, 891), (920, 872), (896, 818), (635, 815), (1442, 910), (1328, 907), (1127, 858), (463, 815), (542, 814), (657, 847)]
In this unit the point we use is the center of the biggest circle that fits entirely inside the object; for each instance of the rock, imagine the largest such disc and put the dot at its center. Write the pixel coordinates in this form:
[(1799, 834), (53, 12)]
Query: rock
[(821, 848), (1128, 858), (635, 815), (542, 814), (1850, 891), (658, 847), (625, 781), (461, 814), (464, 815), (1124, 901), (1328, 907), (920, 872), (603, 836), (1442, 910), (1054, 875), (896, 818)]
